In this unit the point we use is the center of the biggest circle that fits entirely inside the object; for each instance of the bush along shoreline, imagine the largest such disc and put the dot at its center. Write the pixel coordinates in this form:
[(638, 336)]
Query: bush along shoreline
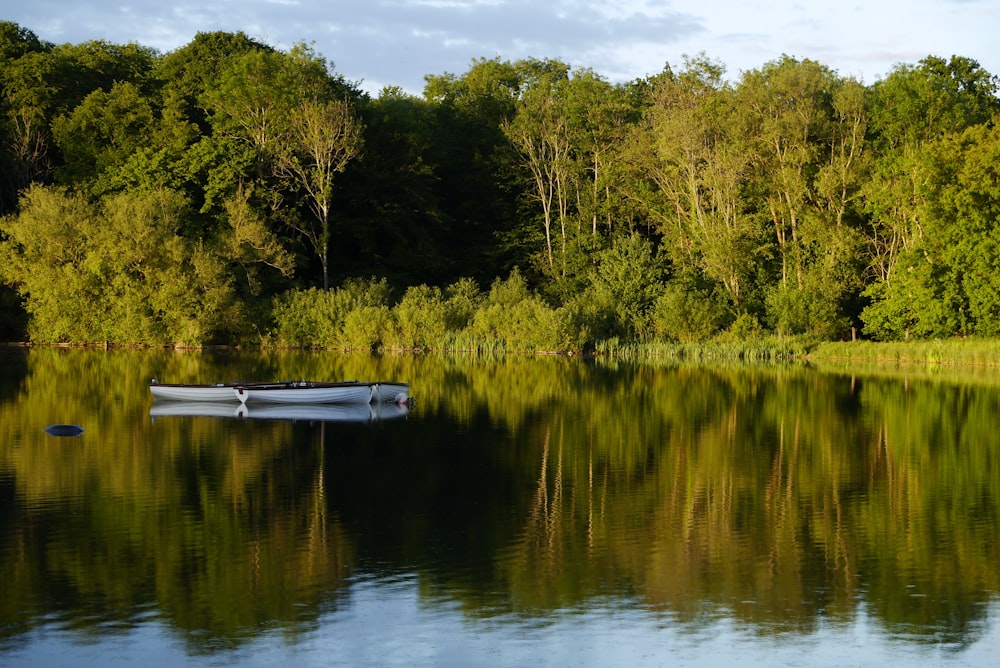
[(361, 317)]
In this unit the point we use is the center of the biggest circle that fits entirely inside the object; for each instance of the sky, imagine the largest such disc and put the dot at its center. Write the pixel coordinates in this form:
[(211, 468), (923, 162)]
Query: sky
[(381, 43)]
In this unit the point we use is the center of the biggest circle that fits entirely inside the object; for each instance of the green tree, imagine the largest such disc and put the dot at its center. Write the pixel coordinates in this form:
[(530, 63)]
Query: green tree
[(324, 137), (696, 166), (99, 65), (210, 160), (96, 100), (567, 128), (43, 251), (627, 282), (115, 272), (192, 73), (918, 117), (390, 213), (948, 281), (250, 243), (26, 98), (474, 168), (252, 103), (803, 127), (103, 131), (599, 115), (785, 109), (160, 287), (915, 105), (284, 107), (539, 130)]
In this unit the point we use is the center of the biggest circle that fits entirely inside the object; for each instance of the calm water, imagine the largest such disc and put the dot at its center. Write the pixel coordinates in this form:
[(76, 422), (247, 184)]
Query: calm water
[(530, 512)]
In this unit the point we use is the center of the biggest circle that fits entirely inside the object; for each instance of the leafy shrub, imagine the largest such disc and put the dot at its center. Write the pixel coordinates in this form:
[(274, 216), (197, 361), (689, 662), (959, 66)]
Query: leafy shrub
[(811, 310), (628, 280), (583, 321), (689, 314), (366, 328), (509, 292), (313, 317), (463, 299), (516, 319), (745, 327), (421, 319), (302, 319)]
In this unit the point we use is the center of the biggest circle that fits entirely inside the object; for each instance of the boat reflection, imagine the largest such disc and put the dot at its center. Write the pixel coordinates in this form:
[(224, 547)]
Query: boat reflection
[(351, 412)]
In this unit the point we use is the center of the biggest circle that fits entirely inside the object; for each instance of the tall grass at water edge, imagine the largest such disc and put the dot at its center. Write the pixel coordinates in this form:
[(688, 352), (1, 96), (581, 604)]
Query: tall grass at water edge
[(958, 351), (940, 352), (764, 349)]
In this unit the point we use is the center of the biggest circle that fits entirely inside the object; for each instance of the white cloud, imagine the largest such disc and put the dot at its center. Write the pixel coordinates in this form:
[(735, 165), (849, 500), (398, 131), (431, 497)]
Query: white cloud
[(397, 42)]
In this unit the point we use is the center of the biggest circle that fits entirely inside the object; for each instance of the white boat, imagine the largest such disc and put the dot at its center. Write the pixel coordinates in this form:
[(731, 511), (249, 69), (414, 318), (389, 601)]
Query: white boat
[(307, 392), (189, 392), (391, 392), (285, 392)]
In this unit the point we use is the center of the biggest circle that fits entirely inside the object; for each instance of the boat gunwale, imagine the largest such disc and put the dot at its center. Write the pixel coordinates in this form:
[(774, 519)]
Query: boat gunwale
[(263, 384)]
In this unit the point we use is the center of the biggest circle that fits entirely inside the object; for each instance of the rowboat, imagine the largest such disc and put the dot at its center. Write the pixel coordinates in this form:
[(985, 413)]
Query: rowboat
[(285, 392), (307, 392), (191, 392), (185, 392)]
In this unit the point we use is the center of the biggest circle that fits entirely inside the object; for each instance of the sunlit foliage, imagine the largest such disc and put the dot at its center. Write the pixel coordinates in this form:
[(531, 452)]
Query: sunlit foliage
[(673, 208)]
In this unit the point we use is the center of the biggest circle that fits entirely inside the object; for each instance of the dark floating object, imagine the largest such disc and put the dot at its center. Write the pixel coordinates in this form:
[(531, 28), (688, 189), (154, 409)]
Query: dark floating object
[(64, 430)]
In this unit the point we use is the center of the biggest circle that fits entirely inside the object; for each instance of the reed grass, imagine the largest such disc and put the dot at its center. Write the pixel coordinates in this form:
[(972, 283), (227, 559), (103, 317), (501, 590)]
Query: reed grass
[(956, 351), (939, 352), (764, 349)]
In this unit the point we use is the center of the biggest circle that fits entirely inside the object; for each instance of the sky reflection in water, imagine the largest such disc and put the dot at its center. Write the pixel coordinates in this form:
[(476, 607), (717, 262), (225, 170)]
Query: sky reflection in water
[(386, 623)]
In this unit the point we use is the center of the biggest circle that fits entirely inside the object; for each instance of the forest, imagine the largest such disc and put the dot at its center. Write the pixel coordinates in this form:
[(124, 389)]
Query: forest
[(232, 193)]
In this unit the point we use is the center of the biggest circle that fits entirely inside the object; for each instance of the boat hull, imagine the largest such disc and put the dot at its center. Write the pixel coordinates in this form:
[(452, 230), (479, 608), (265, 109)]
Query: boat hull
[(391, 392), (284, 392), (314, 393), (168, 392)]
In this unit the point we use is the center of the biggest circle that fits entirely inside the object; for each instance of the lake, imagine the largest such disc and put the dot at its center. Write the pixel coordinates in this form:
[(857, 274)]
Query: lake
[(529, 511)]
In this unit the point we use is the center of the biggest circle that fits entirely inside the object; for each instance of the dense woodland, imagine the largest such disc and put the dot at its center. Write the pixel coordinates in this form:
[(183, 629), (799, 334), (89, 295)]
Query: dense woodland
[(229, 192)]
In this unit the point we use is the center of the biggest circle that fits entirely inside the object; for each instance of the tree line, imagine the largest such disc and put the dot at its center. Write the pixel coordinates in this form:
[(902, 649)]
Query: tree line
[(231, 192)]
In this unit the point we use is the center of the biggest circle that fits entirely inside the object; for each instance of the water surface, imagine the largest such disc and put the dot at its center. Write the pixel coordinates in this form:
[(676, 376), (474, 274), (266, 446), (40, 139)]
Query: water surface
[(525, 512)]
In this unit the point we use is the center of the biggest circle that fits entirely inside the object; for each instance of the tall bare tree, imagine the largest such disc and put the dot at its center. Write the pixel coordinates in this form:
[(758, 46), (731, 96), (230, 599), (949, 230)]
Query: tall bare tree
[(325, 136), (539, 132)]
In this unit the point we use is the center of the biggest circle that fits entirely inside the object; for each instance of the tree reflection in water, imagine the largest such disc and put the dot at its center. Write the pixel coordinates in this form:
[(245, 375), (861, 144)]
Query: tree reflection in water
[(782, 499)]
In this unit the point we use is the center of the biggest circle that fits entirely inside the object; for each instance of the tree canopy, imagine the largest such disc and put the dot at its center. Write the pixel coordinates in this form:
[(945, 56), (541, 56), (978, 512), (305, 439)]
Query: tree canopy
[(186, 195)]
